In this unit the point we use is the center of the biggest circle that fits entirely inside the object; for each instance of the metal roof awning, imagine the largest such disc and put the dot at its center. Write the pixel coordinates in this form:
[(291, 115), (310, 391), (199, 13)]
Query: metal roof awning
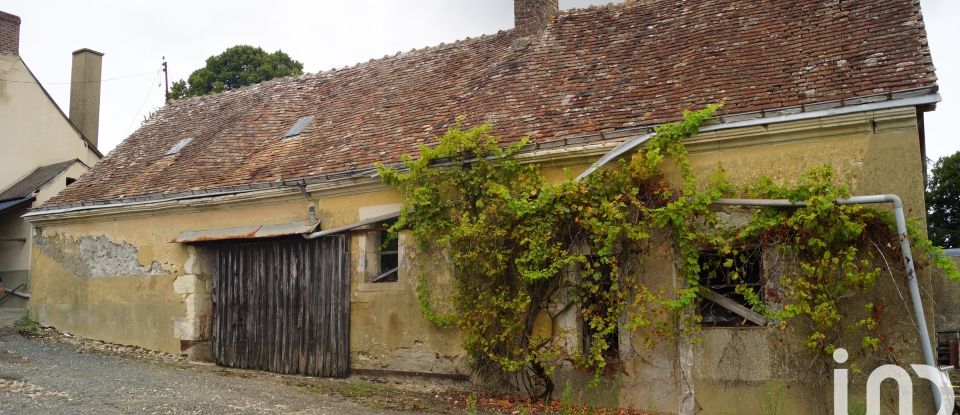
[(308, 231), (246, 232), (12, 203), (351, 226)]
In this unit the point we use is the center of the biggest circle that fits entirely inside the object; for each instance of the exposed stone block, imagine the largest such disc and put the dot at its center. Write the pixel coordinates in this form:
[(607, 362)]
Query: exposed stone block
[(189, 284), (191, 328), (192, 265), (199, 305), (197, 351)]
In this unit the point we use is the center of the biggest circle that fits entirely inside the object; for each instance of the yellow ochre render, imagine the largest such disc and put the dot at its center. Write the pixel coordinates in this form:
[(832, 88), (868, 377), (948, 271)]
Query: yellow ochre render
[(877, 152)]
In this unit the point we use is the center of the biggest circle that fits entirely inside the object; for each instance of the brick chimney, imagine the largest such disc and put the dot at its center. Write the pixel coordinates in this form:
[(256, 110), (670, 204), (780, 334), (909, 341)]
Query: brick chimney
[(85, 93), (9, 34), (531, 16)]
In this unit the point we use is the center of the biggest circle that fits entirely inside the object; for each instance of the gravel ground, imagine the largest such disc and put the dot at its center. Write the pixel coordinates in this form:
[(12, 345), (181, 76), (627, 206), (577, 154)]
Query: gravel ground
[(58, 374)]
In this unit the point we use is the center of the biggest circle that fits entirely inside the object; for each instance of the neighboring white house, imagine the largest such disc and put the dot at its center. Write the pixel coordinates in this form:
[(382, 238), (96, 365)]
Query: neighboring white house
[(43, 149)]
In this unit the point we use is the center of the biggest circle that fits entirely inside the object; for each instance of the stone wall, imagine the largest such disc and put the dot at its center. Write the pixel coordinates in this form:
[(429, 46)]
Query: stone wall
[(195, 287)]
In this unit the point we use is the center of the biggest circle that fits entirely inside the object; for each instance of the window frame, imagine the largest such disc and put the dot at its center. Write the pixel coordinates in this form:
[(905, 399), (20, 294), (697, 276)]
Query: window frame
[(379, 232), (734, 310)]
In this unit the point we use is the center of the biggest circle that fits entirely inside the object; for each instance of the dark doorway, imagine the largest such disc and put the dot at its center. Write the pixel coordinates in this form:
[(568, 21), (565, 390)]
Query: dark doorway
[(283, 305)]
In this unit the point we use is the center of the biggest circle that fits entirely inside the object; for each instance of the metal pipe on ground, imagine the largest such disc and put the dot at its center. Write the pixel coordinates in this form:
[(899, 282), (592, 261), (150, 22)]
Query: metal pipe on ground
[(14, 292)]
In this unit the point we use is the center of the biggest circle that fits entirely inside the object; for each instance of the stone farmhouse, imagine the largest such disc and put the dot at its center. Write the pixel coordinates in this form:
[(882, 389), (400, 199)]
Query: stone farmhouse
[(214, 195)]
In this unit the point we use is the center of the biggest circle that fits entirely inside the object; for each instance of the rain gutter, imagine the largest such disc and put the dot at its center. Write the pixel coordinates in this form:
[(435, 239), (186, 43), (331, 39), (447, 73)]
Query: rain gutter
[(636, 141)]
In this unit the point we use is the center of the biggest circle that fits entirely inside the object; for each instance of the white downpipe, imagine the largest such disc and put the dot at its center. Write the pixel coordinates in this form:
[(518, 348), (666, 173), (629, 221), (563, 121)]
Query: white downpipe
[(637, 141), (914, 287), (617, 151)]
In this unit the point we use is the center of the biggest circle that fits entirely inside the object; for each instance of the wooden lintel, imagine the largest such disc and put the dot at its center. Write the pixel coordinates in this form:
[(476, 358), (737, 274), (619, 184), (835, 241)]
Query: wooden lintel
[(734, 307)]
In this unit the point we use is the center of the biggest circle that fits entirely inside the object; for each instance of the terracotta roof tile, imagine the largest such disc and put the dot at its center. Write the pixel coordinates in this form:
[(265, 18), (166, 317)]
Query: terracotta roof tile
[(590, 71)]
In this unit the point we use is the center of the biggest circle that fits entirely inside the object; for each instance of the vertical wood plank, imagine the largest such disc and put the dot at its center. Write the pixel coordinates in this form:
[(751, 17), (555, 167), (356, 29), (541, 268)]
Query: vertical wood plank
[(283, 305)]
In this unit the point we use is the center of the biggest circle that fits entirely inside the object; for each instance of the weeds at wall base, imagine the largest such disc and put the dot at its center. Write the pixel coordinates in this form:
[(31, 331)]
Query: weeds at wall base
[(26, 326)]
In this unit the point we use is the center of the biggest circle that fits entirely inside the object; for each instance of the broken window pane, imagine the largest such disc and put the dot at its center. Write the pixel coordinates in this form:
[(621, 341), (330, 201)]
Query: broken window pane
[(723, 274), (382, 253)]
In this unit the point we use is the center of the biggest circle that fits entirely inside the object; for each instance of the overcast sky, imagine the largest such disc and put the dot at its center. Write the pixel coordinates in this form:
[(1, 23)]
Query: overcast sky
[(136, 35)]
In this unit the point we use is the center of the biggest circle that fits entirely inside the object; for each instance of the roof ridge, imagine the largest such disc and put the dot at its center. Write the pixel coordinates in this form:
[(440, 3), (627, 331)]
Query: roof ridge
[(596, 69), (316, 75), (429, 48)]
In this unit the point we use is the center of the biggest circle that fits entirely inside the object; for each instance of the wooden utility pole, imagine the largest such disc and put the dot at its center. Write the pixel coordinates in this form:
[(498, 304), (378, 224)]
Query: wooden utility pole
[(166, 82)]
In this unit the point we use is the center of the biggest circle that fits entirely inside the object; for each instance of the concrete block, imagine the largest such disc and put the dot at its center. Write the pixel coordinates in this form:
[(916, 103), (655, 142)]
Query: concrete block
[(198, 305), (200, 351), (192, 264), (189, 284), (191, 328)]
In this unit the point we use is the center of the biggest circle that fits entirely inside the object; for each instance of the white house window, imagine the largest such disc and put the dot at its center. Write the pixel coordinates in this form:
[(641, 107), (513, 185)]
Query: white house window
[(382, 254)]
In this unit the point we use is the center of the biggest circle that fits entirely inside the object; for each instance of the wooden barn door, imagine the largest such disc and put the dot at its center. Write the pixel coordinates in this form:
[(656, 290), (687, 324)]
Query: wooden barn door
[(283, 306)]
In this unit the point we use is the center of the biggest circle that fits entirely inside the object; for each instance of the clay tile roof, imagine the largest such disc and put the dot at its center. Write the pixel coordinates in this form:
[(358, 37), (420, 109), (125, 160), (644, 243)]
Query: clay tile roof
[(589, 71)]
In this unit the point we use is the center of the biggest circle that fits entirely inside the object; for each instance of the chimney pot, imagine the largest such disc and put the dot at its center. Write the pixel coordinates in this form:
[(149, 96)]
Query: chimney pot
[(9, 34), (531, 16), (85, 92)]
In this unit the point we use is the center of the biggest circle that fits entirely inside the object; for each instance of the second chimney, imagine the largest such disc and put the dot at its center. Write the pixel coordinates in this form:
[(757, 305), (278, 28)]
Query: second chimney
[(531, 16), (9, 34), (85, 93)]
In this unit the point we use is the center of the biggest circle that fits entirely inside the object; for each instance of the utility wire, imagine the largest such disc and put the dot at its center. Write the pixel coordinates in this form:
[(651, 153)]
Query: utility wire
[(145, 98), (85, 82)]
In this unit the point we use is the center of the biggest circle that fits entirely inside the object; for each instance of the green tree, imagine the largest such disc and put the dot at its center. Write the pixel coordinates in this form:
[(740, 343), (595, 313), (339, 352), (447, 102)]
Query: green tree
[(236, 67), (943, 202)]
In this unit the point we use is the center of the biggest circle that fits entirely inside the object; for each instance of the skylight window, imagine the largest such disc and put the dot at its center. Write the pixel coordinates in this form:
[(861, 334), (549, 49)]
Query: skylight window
[(298, 127), (177, 147)]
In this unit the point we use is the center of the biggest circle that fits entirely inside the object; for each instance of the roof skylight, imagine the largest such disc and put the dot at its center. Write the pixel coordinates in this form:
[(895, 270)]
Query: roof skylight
[(177, 147), (298, 127)]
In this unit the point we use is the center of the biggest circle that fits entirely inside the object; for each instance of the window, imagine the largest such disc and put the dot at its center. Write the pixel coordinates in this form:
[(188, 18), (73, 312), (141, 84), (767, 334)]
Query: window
[(70, 180), (723, 305), (382, 254), (606, 282)]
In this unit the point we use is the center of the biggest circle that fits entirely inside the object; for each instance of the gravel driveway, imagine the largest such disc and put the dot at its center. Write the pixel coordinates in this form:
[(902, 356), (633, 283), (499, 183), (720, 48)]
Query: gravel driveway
[(43, 376)]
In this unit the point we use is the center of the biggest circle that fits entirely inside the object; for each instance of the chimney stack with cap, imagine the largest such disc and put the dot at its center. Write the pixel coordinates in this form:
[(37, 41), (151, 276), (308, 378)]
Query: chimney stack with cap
[(531, 16), (9, 34), (85, 93)]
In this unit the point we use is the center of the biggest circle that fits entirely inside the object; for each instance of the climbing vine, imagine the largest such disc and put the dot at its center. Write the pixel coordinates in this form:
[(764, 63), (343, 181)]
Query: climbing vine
[(517, 244)]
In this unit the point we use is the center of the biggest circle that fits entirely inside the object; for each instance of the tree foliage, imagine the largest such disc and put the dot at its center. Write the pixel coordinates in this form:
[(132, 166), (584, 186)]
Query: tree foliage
[(237, 66), (943, 202)]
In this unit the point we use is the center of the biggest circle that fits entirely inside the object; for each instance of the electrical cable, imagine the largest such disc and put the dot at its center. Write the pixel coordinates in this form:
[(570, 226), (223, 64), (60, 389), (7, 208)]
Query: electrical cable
[(84, 82), (145, 98)]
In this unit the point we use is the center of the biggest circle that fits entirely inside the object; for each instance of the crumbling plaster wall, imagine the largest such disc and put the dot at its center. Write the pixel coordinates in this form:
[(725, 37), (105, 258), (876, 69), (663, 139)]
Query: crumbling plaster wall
[(946, 294), (724, 368), (119, 279), (742, 370), (876, 153)]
